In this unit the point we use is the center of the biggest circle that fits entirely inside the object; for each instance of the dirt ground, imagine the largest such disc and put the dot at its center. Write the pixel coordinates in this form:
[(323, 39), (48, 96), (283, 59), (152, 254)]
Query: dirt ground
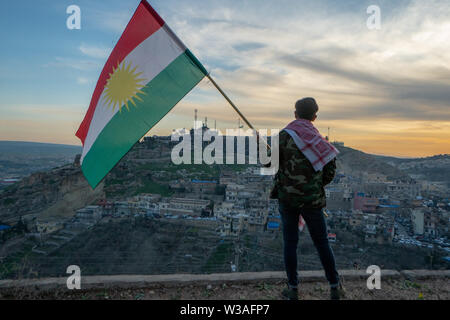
[(400, 289)]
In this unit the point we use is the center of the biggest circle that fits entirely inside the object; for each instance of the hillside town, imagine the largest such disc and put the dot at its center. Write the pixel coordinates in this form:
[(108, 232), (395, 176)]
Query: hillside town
[(387, 212), (231, 201)]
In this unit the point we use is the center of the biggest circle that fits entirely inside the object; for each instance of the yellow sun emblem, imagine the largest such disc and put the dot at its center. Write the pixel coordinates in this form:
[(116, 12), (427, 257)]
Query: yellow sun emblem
[(123, 86)]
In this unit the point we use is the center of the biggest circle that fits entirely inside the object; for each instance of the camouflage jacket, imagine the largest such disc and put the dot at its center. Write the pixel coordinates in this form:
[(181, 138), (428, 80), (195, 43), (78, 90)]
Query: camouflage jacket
[(297, 184)]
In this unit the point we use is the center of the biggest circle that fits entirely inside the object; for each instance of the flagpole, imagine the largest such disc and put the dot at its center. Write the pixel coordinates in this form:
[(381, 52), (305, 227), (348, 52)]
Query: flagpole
[(234, 107)]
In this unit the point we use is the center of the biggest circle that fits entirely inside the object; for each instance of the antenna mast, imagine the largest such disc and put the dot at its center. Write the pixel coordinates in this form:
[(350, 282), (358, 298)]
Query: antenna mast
[(195, 119)]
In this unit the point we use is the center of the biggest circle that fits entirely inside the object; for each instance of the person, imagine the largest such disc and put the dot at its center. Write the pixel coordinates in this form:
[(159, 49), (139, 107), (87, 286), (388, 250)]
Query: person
[(307, 162)]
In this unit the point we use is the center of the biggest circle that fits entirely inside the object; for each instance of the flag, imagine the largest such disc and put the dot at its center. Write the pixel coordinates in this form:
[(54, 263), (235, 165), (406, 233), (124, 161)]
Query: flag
[(148, 72)]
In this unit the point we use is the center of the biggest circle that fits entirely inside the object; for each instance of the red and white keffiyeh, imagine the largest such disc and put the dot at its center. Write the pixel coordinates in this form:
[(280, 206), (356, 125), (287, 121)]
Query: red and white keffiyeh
[(311, 143), (301, 223)]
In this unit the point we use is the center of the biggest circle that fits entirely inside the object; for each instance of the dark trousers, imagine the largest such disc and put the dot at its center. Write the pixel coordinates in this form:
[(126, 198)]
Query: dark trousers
[(315, 222)]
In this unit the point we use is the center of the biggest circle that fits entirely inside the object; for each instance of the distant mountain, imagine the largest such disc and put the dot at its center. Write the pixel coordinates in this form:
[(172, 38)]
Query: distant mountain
[(19, 159), (410, 160), (33, 149), (434, 168)]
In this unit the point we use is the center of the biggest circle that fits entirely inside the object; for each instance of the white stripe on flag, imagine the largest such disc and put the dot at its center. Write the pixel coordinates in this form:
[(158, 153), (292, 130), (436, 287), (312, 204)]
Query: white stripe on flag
[(151, 57)]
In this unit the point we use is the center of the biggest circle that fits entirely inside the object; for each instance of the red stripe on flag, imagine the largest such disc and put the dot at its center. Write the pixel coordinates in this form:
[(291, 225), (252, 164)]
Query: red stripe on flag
[(143, 24)]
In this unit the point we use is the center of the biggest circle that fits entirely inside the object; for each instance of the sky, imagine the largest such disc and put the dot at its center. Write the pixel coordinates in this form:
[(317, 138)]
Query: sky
[(383, 91)]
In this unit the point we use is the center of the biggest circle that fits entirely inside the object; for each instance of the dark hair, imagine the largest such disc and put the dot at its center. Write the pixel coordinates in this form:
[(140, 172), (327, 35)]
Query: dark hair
[(306, 108)]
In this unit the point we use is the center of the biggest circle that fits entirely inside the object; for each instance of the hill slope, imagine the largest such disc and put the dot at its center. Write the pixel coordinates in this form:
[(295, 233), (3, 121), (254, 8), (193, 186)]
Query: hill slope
[(354, 162), (435, 168)]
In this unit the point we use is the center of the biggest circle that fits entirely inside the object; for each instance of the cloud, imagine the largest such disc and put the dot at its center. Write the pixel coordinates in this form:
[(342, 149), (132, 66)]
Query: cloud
[(77, 64), (398, 72), (267, 54), (82, 80), (109, 20), (95, 51), (248, 46), (408, 98)]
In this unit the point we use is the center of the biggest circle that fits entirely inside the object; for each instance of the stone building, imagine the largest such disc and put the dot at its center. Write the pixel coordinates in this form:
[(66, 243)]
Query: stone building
[(184, 206)]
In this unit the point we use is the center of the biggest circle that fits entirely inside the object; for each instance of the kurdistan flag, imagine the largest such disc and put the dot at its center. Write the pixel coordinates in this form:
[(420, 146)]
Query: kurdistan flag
[(147, 74)]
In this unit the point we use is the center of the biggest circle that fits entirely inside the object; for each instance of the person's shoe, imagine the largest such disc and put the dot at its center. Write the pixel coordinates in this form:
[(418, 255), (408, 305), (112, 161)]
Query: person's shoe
[(290, 293), (338, 292)]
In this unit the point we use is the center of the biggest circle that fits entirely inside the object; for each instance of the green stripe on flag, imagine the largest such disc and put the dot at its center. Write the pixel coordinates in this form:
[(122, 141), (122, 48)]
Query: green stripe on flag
[(126, 127), (196, 61)]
